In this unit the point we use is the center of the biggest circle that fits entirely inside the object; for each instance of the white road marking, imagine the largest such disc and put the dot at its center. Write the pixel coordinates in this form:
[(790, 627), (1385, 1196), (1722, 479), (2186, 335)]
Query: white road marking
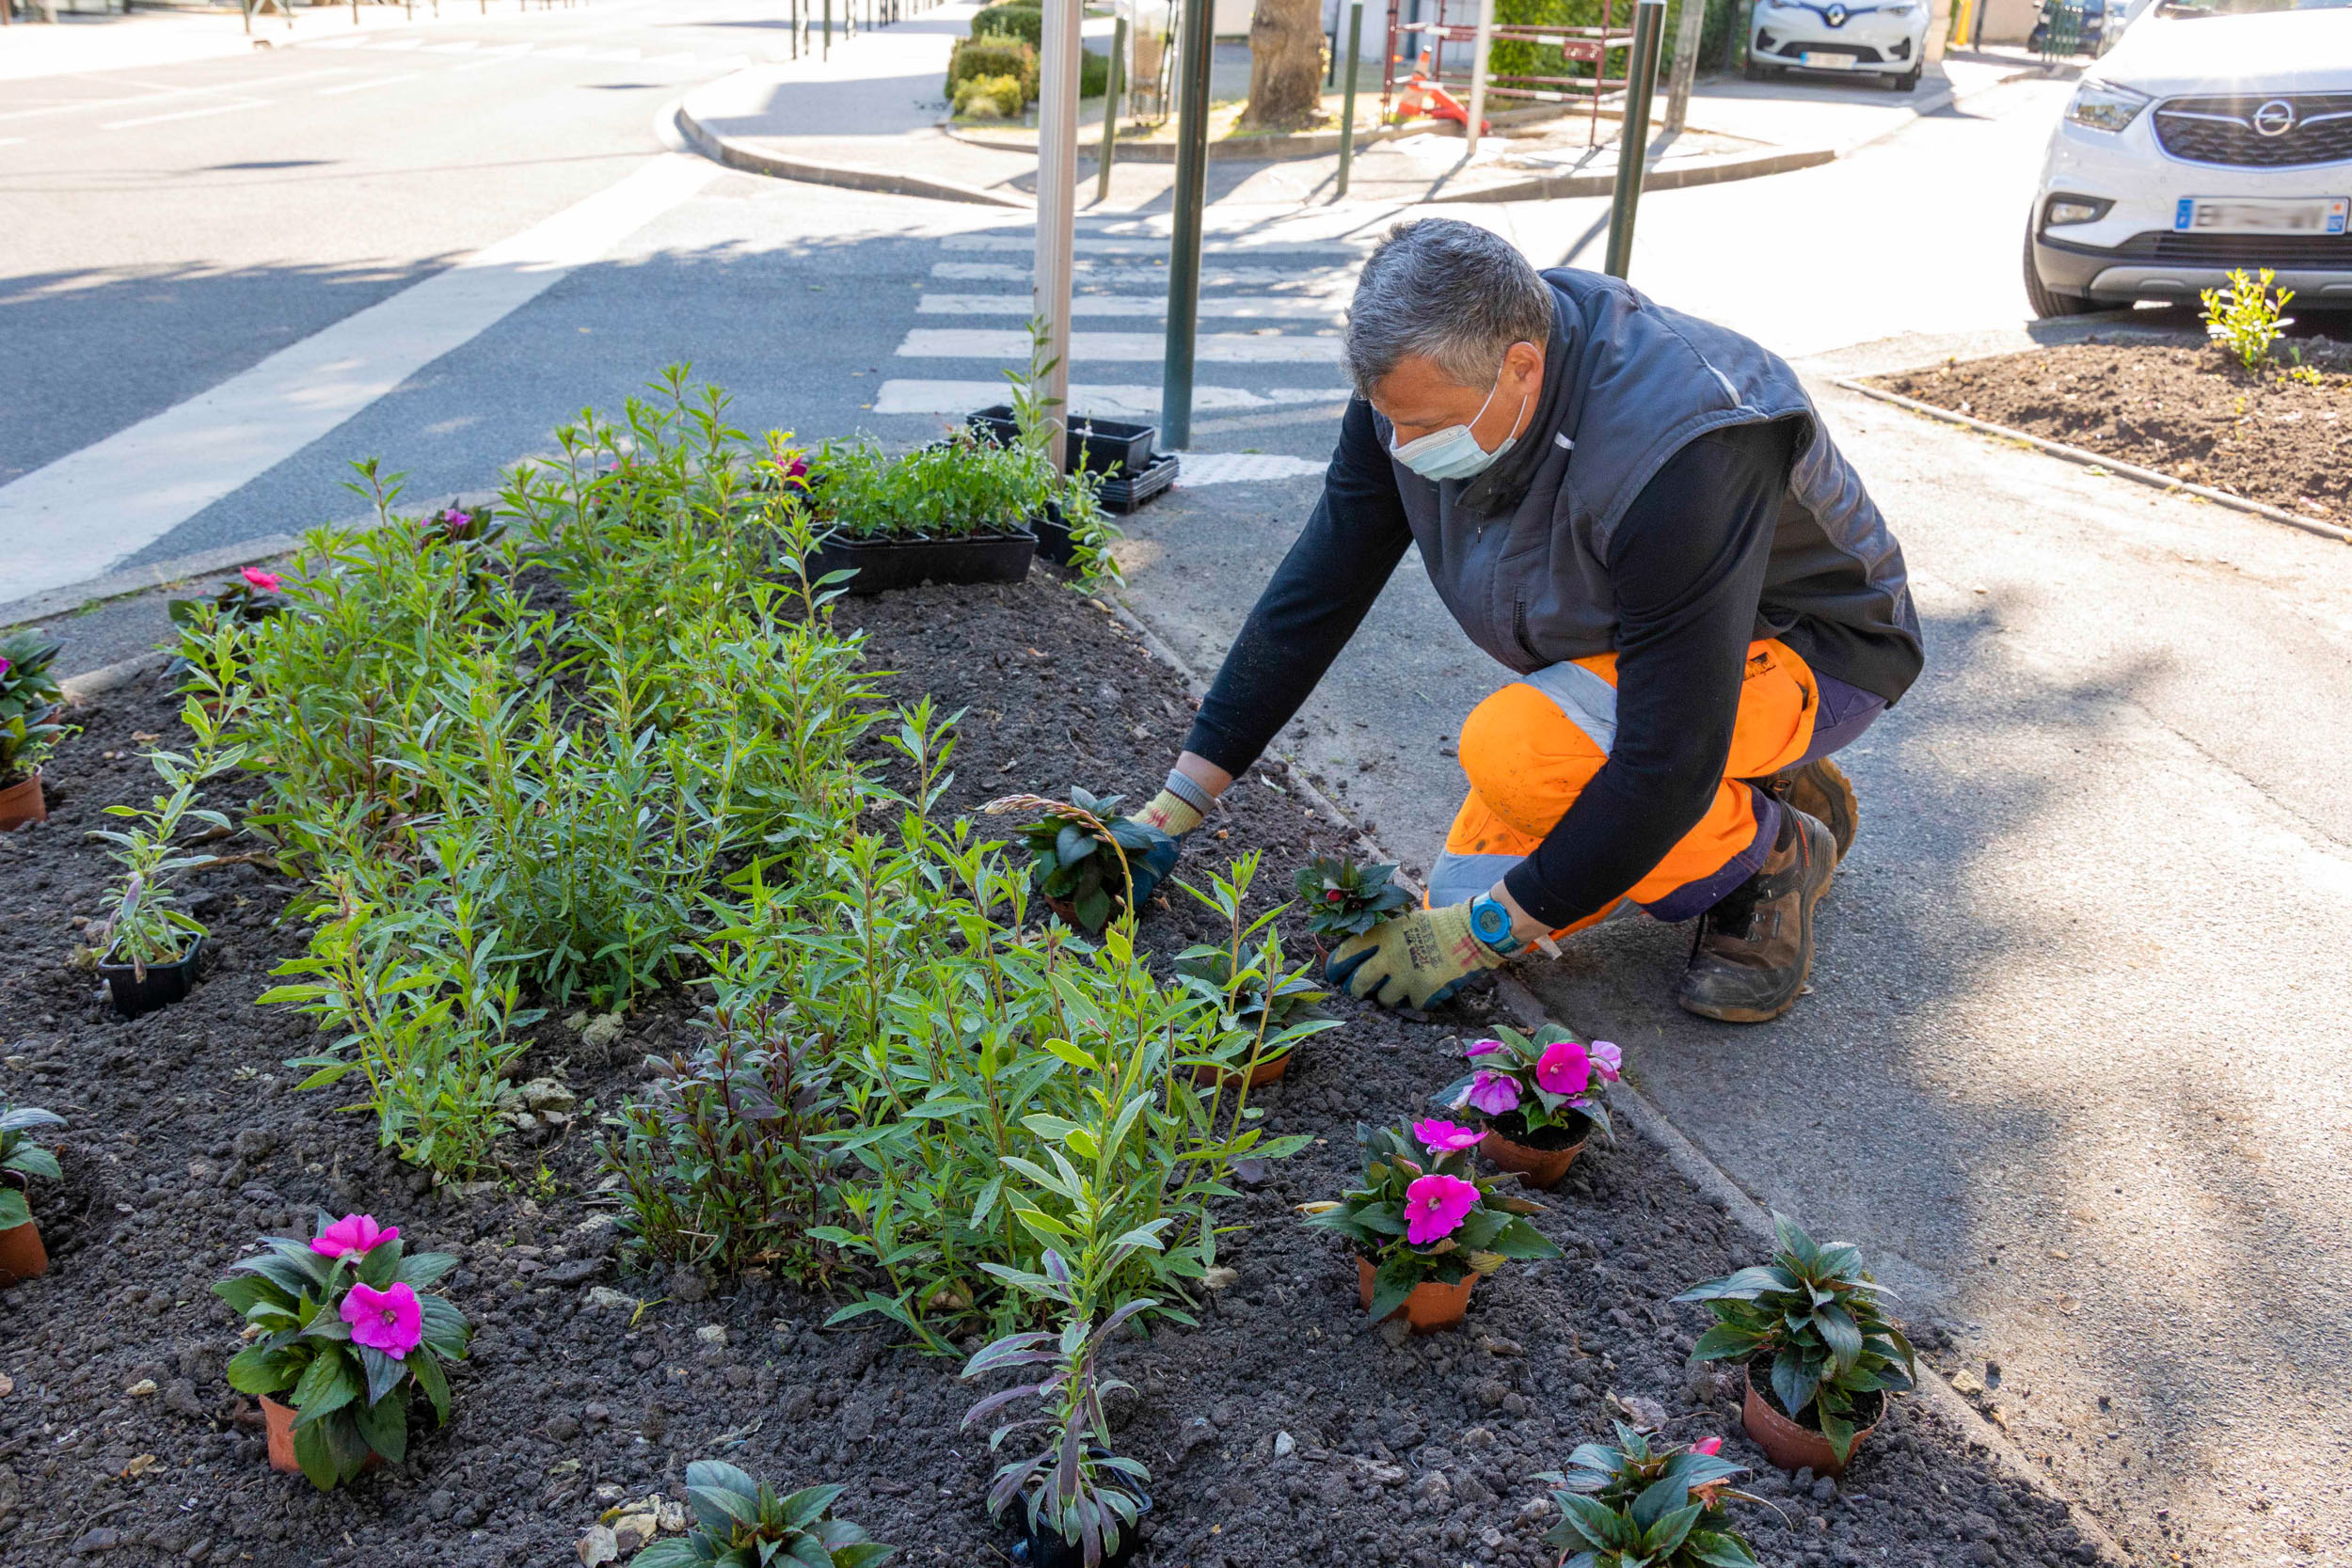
[(1087, 246), (75, 517), (1262, 307), (465, 46), (1151, 277), (1211, 348), (370, 83), (1241, 467), (499, 56), (1103, 398), (185, 114)]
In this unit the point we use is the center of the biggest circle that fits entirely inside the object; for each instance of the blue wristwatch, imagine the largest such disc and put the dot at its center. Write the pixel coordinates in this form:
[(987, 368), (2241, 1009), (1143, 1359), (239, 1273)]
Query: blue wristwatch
[(1491, 924)]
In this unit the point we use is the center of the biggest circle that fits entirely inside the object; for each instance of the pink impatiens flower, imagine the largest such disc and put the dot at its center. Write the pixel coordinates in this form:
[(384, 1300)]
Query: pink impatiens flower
[(1491, 1092), (1444, 1137), (1708, 1445), (1480, 1048), (1608, 1061), (390, 1321), (1434, 1207), (353, 1233), (1564, 1069), (265, 582), (6, 666)]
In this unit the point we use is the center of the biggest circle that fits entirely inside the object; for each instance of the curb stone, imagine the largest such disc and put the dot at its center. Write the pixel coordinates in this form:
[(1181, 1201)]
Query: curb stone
[(1687, 1157), (2154, 477), (738, 155)]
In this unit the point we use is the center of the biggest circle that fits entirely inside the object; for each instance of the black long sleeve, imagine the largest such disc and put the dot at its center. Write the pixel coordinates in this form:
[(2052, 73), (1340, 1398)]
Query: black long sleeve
[(1688, 565), (1318, 596)]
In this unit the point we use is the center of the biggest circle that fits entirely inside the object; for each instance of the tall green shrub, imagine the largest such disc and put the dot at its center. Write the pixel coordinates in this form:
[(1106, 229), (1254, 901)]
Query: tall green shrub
[(1025, 22), (993, 57)]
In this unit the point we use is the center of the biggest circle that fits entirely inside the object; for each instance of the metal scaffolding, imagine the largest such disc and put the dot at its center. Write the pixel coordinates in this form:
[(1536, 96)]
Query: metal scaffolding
[(1586, 46)]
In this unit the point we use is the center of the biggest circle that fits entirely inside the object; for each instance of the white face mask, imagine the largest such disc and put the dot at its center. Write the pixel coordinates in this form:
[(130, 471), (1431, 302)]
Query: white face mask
[(1453, 453)]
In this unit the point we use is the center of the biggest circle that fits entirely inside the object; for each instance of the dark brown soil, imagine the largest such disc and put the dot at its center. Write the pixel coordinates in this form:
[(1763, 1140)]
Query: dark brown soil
[(1283, 1431), (1550, 1139), (2190, 413)]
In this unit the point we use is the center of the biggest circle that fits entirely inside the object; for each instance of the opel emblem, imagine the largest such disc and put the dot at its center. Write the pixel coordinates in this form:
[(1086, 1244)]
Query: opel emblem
[(2275, 118), (1837, 17)]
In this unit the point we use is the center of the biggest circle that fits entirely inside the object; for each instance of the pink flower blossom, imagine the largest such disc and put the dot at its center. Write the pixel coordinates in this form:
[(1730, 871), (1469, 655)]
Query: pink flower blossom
[(1564, 1069), (1444, 1137), (1434, 1207), (1480, 1048), (1608, 1061), (353, 1233), (265, 582), (390, 1321), (1491, 1092), (6, 666), (1708, 1445)]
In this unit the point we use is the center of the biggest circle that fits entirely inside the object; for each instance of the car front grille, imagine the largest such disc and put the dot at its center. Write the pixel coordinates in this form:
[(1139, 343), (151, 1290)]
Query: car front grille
[(2315, 128), (1861, 52), (2327, 251)]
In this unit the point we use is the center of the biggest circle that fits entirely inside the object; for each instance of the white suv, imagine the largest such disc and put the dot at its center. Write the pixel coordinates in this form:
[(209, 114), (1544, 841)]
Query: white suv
[(2217, 133), (1887, 37)]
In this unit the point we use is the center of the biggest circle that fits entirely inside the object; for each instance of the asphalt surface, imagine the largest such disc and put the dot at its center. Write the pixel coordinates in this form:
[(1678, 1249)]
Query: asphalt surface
[(2071, 1064)]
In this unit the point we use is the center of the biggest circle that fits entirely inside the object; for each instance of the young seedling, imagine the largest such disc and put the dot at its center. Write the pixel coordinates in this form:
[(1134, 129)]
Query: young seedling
[(1245, 976), (1636, 1505), (30, 701), (1345, 897), (2243, 318), (1079, 852), (1811, 1320), (743, 1523), (345, 1323)]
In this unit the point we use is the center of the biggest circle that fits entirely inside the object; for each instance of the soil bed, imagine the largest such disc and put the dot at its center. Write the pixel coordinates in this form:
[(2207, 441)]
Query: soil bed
[(185, 1141), (2190, 413)]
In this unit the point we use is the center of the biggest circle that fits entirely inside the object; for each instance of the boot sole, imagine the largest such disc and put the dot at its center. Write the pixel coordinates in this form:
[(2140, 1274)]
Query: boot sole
[(1805, 959)]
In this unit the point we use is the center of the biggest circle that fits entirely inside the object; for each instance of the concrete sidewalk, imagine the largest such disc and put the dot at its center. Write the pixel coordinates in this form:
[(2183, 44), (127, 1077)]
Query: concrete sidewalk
[(81, 44)]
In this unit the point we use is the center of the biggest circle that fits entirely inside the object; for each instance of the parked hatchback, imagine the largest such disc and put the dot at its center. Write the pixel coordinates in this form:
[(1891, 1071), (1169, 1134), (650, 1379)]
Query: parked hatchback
[(1882, 37), (2215, 134)]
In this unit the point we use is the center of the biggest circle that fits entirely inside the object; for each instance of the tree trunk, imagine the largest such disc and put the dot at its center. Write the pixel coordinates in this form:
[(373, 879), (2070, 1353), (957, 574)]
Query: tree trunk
[(1285, 66)]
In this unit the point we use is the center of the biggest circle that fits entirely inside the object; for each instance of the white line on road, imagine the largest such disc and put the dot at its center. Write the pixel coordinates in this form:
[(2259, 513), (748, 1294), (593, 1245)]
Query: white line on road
[(370, 82), (1023, 245), (78, 515), (1107, 399), (185, 114), (1092, 272), (1211, 348), (1262, 307), (1242, 468), (464, 46), (499, 56)]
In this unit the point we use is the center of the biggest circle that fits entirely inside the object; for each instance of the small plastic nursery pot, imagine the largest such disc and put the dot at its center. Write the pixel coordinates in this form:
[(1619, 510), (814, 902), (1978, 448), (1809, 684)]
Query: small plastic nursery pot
[(1791, 1444), (884, 565), (21, 803), (1054, 542), (1107, 447), (1432, 1309), (278, 1420), (22, 1256), (163, 985), (1542, 1158), (1045, 1549)]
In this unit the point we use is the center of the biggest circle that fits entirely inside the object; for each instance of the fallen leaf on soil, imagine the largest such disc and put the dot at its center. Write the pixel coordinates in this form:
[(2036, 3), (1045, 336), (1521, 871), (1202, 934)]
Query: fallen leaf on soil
[(139, 1466), (140, 1389), (598, 1547), (1220, 1278)]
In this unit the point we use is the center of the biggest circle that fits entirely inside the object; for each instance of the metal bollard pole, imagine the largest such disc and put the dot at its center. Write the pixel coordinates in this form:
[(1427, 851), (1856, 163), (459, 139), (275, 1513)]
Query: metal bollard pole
[(828, 51), (1110, 111), (1347, 101), (1184, 258), (1633, 136)]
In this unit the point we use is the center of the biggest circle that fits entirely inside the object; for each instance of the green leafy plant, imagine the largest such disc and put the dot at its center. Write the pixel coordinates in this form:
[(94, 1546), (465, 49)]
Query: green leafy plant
[(994, 57), (1260, 997), (1640, 1505), (251, 596), (149, 925), (1424, 1215), (1811, 1320), (1526, 1083), (960, 488), (1079, 852), (987, 97), (344, 1321), (22, 1159), (1344, 897), (724, 1159), (2243, 317), (30, 701), (1010, 20), (1074, 1485), (743, 1523)]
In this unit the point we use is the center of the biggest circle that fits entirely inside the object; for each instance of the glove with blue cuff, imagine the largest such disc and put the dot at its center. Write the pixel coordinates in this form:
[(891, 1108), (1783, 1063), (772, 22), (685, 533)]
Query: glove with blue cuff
[(1423, 958)]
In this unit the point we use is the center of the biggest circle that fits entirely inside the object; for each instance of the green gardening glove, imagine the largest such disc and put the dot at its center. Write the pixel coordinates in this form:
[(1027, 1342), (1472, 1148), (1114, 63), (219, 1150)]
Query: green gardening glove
[(1417, 959)]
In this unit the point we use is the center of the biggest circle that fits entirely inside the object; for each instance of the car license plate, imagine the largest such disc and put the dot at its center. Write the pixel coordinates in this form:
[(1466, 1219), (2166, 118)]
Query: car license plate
[(2246, 214), (1826, 62)]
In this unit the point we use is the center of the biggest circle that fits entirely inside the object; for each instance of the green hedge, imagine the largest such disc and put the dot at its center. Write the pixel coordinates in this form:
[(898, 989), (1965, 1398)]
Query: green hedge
[(1025, 22), (1512, 58), (993, 57)]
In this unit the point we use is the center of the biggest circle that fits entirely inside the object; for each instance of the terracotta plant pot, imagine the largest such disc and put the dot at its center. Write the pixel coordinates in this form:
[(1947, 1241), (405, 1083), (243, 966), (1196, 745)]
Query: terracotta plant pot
[(1791, 1444), (22, 1256), (1541, 1158), (1268, 1069), (1432, 1307), (21, 803), (278, 1420), (163, 984)]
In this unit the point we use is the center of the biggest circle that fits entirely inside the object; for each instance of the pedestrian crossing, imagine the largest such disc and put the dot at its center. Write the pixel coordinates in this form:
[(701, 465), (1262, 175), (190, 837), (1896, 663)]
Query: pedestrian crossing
[(1271, 312)]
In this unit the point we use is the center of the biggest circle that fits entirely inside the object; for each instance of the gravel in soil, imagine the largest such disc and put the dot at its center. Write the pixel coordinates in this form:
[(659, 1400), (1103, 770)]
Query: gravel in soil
[(2191, 413), (1283, 1430)]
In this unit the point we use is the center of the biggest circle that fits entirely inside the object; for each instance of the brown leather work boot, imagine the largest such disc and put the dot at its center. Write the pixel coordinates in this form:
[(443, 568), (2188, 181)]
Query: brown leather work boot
[(1821, 791), (1749, 961)]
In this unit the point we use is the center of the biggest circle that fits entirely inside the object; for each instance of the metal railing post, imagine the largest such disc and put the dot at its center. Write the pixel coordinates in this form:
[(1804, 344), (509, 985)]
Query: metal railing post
[(1110, 111), (1347, 100), (828, 53), (1633, 134), (1184, 257)]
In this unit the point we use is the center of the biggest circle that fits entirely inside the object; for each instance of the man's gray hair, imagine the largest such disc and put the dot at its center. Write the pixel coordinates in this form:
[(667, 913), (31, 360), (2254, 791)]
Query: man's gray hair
[(1448, 292)]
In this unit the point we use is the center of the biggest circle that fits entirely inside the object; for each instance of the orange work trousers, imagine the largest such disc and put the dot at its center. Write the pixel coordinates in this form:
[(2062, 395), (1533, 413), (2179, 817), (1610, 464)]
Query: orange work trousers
[(1530, 749)]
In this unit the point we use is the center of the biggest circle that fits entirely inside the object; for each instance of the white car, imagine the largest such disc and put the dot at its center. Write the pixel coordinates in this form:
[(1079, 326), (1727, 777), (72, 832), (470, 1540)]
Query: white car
[(2216, 135), (1885, 37)]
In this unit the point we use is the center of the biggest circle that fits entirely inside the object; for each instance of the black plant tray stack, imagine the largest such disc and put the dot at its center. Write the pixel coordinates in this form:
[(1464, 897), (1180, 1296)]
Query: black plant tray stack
[(1112, 448), (1125, 495)]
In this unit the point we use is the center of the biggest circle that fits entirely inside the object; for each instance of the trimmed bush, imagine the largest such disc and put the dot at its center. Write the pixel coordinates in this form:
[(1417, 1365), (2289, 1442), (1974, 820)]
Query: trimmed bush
[(989, 97), (1025, 22), (993, 57)]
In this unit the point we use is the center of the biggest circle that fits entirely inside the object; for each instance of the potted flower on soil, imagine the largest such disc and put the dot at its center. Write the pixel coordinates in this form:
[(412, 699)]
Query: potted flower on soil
[(1425, 1228), (344, 1321), (22, 1256), (1821, 1356), (1635, 1506), (151, 946), (30, 701), (955, 513), (1345, 897), (251, 596), (743, 1523), (1540, 1098), (1078, 853)]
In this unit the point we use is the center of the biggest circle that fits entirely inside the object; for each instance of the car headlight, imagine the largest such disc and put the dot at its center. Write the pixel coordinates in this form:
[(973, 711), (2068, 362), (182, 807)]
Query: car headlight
[(2105, 107)]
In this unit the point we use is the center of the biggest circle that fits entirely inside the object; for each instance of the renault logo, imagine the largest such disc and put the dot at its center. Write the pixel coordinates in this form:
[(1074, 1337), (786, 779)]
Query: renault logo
[(1835, 16), (2275, 118)]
